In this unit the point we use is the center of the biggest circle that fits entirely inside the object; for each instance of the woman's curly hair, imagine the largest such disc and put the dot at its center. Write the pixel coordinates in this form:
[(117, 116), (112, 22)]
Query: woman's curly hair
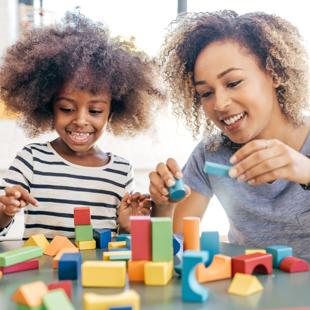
[(82, 51), (274, 41)]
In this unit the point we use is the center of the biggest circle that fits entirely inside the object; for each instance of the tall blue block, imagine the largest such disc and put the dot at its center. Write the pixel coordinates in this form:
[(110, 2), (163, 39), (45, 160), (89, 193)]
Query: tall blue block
[(210, 241)]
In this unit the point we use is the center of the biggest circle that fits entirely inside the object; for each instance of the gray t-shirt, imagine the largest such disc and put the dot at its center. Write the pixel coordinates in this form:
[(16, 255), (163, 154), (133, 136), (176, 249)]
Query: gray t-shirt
[(260, 216)]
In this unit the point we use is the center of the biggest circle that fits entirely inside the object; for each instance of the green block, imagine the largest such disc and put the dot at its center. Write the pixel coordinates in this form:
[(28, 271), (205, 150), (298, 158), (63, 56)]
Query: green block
[(19, 255), (57, 300), (83, 232), (162, 239), (25, 307)]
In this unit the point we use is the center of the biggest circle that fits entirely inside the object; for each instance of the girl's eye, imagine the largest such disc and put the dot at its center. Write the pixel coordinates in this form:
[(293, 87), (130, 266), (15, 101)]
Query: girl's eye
[(234, 84), (66, 110), (95, 111)]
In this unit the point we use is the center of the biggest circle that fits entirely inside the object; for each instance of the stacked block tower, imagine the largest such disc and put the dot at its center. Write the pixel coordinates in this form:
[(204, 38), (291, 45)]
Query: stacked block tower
[(83, 229)]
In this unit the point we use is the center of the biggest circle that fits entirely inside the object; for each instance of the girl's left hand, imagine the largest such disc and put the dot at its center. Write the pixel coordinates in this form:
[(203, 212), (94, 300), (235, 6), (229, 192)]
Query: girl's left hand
[(261, 161), (133, 204)]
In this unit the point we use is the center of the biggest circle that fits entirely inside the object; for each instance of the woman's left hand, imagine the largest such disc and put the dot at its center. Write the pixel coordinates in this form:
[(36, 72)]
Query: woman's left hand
[(262, 161), (133, 205)]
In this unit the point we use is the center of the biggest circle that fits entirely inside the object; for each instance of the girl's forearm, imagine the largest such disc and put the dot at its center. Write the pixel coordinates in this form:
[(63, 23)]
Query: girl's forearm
[(4, 219)]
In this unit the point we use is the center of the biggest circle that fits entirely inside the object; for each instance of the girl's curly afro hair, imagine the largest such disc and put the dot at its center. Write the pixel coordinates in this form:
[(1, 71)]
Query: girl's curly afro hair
[(38, 65), (273, 41)]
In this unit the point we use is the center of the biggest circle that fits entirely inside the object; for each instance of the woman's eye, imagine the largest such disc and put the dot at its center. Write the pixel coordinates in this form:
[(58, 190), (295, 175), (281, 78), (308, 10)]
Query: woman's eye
[(206, 94), (234, 84)]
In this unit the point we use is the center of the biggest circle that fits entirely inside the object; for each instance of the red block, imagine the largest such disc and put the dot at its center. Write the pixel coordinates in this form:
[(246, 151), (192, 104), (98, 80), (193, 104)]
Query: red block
[(293, 264), (81, 216), (141, 238), (65, 285), (23, 266), (252, 263)]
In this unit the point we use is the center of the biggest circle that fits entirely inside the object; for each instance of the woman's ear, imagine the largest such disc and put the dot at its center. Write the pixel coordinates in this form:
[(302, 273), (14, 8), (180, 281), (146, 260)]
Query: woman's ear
[(276, 80)]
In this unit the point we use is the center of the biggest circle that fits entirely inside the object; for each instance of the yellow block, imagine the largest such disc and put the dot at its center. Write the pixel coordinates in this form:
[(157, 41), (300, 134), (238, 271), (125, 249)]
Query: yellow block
[(158, 273), (244, 285), (37, 240), (86, 245), (251, 251), (59, 254), (104, 274), (219, 269), (107, 255), (116, 245), (104, 302)]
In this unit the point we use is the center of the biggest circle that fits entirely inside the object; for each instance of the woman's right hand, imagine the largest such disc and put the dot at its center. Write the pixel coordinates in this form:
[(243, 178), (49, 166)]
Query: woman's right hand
[(163, 178), (15, 198)]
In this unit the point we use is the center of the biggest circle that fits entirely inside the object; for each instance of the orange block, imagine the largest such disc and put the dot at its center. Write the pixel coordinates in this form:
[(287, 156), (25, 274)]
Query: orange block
[(58, 243), (136, 270), (1, 274), (191, 233), (64, 250), (219, 269), (30, 294)]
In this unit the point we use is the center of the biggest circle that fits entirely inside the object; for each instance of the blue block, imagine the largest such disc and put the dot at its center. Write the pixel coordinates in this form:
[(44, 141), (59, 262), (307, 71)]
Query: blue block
[(125, 237), (279, 252), (69, 266), (177, 245), (192, 291), (102, 237), (216, 169), (121, 308), (210, 241), (177, 191)]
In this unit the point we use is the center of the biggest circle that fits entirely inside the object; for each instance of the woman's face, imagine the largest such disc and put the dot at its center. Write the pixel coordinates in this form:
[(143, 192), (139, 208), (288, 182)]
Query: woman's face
[(236, 93)]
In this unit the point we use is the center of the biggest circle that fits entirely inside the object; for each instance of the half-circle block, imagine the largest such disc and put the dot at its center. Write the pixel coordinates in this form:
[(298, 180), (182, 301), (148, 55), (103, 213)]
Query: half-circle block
[(244, 285), (219, 269), (278, 253), (252, 263), (192, 291), (294, 264)]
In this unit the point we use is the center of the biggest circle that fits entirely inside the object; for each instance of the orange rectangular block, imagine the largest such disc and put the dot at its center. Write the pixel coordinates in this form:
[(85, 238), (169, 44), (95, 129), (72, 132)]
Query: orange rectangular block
[(58, 243), (191, 233), (58, 256), (136, 270)]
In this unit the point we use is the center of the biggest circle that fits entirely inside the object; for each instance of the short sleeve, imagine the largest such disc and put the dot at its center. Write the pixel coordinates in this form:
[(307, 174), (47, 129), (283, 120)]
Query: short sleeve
[(193, 174)]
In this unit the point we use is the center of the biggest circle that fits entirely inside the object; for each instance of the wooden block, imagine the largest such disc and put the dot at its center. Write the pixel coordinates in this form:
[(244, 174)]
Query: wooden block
[(125, 237), (86, 245), (191, 233), (30, 294), (24, 307), (177, 245), (157, 273), (210, 241), (37, 240), (141, 239), (116, 245), (65, 285), (23, 266), (59, 254), (58, 243), (19, 255), (93, 301), (81, 216), (103, 237), (103, 274), (251, 251), (83, 232), (162, 239), (252, 263), (219, 269), (56, 300), (294, 264), (192, 291), (136, 270), (119, 255), (278, 253), (177, 191), (216, 169), (244, 285), (69, 266), (1, 275), (121, 308)]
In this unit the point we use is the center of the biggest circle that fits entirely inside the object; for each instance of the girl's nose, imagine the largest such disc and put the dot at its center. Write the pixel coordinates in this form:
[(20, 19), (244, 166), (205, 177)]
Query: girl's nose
[(81, 118)]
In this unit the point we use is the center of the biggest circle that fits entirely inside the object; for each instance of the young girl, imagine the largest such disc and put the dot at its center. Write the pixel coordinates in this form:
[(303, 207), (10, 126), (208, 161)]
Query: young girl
[(74, 78), (247, 76)]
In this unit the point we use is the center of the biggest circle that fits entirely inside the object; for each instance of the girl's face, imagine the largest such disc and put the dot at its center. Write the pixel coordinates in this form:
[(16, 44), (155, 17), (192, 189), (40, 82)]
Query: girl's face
[(80, 117), (236, 94)]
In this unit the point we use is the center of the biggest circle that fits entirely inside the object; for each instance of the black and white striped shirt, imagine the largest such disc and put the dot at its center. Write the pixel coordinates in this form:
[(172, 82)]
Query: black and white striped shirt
[(60, 186)]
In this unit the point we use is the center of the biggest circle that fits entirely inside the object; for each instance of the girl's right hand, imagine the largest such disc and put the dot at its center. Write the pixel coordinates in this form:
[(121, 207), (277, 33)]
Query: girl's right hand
[(163, 178), (15, 198)]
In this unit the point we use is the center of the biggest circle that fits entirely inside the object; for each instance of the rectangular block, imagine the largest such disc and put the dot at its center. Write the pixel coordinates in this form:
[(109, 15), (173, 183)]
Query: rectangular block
[(81, 216), (83, 232), (69, 266), (116, 245), (65, 285), (158, 273), (23, 266), (59, 254), (102, 237), (16, 256), (86, 245), (162, 239), (121, 255), (141, 239), (56, 300)]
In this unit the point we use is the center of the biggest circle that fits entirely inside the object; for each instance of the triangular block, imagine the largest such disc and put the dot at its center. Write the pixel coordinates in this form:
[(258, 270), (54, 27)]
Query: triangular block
[(244, 285), (37, 240)]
